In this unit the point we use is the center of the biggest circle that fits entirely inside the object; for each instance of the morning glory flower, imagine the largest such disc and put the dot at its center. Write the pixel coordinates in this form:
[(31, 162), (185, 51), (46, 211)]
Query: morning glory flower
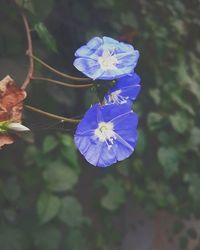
[(125, 90), (106, 58), (107, 134)]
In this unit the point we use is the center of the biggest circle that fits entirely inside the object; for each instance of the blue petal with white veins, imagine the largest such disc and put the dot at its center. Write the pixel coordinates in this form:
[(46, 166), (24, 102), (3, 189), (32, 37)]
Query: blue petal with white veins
[(89, 67), (126, 89), (94, 43), (120, 61), (120, 145)]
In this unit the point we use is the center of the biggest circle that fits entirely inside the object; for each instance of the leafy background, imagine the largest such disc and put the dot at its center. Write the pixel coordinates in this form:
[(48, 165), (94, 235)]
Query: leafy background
[(50, 198)]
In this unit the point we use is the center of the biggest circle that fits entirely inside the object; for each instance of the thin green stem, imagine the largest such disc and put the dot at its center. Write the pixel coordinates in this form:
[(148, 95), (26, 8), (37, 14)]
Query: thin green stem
[(50, 115), (58, 72), (67, 85)]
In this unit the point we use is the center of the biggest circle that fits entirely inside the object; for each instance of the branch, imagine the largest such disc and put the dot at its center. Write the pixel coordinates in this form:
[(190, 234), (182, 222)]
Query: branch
[(68, 85), (50, 115), (74, 78), (29, 51)]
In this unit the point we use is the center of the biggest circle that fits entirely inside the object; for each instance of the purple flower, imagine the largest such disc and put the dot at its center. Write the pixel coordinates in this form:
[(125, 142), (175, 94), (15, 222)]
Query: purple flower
[(106, 58), (107, 134), (125, 90)]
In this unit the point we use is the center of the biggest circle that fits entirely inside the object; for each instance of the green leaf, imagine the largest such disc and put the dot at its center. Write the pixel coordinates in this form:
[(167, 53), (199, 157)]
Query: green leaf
[(10, 214), (26, 4), (45, 36), (155, 95), (123, 168), (179, 26), (179, 122), (49, 143), (66, 140), (193, 179), (4, 127), (154, 120), (11, 189), (12, 239), (59, 177), (31, 153), (75, 240), (141, 144), (192, 233), (182, 71), (183, 104), (194, 87), (115, 195), (164, 138), (180, 7), (128, 18), (69, 151), (169, 160), (194, 140), (47, 238), (161, 194), (71, 212), (186, 79), (138, 193), (48, 206), (43, 8)]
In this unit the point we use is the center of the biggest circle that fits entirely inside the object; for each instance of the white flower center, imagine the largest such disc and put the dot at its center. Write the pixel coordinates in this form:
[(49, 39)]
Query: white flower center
[(107, 60), (105, 133), (115, 97)]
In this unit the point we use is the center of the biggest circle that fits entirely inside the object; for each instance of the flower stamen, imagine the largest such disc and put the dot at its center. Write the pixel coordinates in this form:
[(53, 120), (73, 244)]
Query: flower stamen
[(105, 133), (108, 60), (115, 97)]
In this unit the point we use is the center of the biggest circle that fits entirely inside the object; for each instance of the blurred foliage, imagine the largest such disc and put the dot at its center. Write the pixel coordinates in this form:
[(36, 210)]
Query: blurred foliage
[(45, 199)]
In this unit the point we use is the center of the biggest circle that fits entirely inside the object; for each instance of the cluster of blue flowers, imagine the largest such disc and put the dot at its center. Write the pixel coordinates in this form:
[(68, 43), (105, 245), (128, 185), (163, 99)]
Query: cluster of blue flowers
[(108, 132)]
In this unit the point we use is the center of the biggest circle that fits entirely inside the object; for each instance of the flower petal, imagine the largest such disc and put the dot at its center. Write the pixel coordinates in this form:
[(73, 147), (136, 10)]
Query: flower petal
[(94, 43), (97, 153), (120, 145), (125, 90), (90, 122), (89, 67), (121, 58), (128, 59), (109, 40), (83, 51), (121, 128), (123, 151), (17, 127), (128, 80), (114, 112), (131, 92)]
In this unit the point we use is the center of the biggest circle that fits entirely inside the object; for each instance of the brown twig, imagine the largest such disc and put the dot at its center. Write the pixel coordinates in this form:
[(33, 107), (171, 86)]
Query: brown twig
[(29, 51), (68, 85), (74, 78), (50, 115)]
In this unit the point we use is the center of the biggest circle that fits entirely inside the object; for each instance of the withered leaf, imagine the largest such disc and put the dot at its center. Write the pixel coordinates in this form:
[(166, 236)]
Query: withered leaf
[(11, 105)]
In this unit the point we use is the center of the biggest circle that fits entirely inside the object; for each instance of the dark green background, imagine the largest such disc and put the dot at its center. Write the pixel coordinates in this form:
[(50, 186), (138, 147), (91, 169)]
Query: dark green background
[(50, 198)]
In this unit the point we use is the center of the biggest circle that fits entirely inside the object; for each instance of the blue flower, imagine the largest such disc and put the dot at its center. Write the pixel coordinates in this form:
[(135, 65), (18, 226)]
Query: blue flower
[(125, 90), (107, 134), (106, 58)]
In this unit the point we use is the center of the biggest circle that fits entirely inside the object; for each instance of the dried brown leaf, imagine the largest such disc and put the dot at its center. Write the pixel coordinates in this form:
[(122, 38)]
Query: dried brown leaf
[(11, 105)]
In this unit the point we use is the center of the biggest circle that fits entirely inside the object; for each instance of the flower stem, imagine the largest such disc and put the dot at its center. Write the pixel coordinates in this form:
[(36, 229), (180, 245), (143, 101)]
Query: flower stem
[(53, 116), (29, 51), (68, 85), (58, 72)]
